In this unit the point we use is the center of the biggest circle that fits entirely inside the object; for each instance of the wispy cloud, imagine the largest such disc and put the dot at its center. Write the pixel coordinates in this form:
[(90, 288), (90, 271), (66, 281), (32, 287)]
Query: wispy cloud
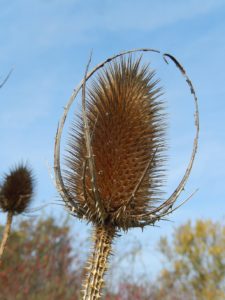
[(55, 23), (149, 15)]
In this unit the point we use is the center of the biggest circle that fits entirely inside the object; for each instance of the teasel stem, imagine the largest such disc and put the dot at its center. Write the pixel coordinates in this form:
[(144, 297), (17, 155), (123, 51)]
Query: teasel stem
[(6, 233), (98, 262)]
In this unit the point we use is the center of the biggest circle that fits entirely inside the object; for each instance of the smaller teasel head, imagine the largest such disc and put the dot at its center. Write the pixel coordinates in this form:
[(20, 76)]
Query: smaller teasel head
[(17, 189)]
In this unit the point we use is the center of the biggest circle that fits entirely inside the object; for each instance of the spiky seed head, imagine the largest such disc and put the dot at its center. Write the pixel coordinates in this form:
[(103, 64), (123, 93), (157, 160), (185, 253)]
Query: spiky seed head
[(127, 127), (17, 190)]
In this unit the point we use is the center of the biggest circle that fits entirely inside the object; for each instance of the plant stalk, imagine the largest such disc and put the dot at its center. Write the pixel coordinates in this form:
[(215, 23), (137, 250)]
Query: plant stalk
[(98, 262), (6, 233)]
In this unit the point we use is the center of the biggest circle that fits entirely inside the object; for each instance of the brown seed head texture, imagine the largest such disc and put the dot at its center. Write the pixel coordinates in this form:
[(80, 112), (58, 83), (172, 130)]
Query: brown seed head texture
[(127, 126), (17, 190)]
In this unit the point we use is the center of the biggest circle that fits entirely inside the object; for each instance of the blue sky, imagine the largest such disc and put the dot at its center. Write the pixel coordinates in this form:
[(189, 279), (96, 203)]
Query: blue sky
[(48, 44)]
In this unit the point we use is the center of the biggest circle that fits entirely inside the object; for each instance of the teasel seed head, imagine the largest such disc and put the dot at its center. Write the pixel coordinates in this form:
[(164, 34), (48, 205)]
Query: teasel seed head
[(95, 187), (126, 119), (17, 189), (115, 157)]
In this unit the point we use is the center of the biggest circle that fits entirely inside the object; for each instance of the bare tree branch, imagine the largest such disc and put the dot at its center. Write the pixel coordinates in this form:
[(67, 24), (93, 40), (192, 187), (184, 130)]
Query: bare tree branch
[(6, 78)]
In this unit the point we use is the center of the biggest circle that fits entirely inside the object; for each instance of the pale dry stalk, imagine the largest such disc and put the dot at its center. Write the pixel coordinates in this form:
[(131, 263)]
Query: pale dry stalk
[(98, 262), (6, 233)]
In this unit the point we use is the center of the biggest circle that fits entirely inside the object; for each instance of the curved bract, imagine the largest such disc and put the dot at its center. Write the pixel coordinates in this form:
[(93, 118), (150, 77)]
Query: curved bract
[(95, 188)]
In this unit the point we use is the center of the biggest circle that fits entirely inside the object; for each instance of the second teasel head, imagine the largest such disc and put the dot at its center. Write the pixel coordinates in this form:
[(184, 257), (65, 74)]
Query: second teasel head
[(17, 190), (117, 178)]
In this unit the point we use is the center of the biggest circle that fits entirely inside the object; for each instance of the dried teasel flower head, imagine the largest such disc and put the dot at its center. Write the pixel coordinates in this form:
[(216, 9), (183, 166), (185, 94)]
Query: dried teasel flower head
[(17, 190), (115, 156), (117, 147), (126, 121)]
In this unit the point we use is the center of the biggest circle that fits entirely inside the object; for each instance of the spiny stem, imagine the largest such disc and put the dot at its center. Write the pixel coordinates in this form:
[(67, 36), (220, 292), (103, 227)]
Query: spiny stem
[(6, 233), (97, 264)]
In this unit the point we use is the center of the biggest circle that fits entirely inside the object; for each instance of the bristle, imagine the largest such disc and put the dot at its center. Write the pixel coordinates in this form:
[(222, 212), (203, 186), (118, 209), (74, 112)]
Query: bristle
[(17, 190), (127, 126)]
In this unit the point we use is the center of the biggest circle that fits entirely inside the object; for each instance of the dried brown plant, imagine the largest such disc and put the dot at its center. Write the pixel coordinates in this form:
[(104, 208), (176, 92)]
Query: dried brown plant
[(16, 193), (115, 158)]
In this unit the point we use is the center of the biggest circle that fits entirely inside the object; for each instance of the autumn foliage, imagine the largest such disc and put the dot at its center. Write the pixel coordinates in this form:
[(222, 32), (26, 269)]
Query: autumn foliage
[(44, 260), (39, 263), (196, 261)]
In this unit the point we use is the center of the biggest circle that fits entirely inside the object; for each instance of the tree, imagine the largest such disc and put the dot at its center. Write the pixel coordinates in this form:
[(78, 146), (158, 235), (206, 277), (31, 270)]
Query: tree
[(196, 261), (39, 263)]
